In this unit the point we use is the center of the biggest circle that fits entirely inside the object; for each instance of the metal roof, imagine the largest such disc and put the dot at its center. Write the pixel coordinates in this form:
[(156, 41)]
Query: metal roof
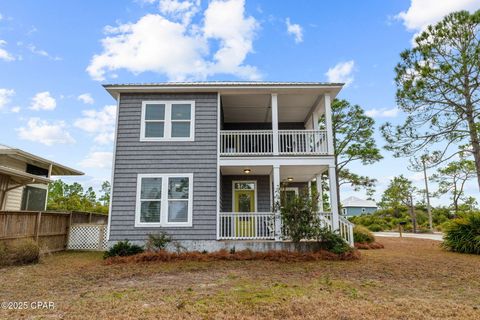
[(57, 169), (227, 87), (358, 203), (225, 83)]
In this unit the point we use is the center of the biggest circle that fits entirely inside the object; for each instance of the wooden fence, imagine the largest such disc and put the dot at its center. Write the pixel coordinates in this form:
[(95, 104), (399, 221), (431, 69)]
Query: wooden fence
[(49, 228)]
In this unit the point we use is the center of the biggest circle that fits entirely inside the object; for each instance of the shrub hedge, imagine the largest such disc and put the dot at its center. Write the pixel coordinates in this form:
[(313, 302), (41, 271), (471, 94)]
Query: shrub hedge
[(463, 234)]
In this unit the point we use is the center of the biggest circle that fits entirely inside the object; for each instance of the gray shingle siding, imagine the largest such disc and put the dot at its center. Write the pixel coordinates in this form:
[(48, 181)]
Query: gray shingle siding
[(133, 157)]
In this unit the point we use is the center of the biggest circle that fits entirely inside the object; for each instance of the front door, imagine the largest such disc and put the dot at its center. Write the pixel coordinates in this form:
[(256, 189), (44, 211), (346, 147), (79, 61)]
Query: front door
[(244, 201)]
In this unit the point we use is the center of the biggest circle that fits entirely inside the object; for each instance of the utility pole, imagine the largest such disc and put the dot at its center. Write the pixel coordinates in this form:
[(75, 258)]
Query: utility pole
[(429, 209)]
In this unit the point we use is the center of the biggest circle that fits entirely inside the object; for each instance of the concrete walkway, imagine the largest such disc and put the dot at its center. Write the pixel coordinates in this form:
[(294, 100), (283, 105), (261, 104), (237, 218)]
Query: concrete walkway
[(429, 236)]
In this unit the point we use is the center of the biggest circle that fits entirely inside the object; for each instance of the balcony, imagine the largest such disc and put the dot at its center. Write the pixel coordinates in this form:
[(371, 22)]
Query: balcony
[(261, 142)]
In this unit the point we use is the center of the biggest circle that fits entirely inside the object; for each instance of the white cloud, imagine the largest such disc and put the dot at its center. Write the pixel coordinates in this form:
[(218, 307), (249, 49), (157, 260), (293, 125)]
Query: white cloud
[(15, 109), (170, 44), (180, 10), (382, 113), (101, 123), (342, 72), (43, 101), (4, 54), (47, 133), (40, 52), (421, 13), (97, 159), (86, 98), (5, 95), (295, 30)]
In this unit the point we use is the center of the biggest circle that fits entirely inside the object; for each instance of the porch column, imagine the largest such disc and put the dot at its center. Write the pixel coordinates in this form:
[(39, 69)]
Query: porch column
[(276, 193), (328, 124), (275, 123), (319, 192), (333, 197)]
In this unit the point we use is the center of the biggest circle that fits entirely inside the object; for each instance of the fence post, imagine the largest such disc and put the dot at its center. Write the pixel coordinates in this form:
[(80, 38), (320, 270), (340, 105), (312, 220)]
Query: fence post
[(101, 235), (37, 225), (89, 217)]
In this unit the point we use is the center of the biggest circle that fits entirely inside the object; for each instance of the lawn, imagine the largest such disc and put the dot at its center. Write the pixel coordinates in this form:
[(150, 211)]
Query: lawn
[(409, 279)]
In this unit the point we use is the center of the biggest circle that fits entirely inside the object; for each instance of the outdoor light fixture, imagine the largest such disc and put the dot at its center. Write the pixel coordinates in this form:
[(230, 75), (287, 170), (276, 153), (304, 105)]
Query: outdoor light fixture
[(290, 179), (247, 171)]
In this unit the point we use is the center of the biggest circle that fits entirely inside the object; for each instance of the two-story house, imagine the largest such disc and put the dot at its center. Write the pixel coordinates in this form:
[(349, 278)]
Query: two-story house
[(203, 161)]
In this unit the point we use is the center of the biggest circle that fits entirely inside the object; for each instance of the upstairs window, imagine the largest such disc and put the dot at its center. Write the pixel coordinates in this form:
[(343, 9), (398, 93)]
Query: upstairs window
[(168, 120)]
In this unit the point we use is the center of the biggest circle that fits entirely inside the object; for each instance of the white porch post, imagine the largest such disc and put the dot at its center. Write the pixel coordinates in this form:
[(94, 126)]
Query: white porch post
[(275, 123), (333, 197), (320, 192), (328, 123), (276, 193)]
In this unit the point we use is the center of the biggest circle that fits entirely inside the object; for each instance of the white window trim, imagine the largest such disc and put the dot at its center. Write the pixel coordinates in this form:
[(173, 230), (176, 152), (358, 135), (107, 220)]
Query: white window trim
[(164, 201), (167, 128), (233, 192)]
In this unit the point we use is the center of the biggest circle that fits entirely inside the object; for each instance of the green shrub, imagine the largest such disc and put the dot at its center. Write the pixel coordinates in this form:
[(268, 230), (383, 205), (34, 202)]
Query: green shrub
[(122, 249), (157, 242), (331, 241), (22, 251), (463, 234), (362, 235), (375, 227)]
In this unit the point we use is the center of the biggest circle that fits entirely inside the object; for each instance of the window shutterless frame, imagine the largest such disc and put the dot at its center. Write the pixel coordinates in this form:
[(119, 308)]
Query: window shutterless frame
[(167, 129), (164, 201)]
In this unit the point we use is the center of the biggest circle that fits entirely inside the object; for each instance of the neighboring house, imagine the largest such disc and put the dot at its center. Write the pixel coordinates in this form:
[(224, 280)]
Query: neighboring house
[(24, 179), (353, 206), (202, 161)]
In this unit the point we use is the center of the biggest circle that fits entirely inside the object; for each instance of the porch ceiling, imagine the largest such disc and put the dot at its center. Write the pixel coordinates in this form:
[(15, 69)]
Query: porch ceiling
[(257, 107), (298, 173)]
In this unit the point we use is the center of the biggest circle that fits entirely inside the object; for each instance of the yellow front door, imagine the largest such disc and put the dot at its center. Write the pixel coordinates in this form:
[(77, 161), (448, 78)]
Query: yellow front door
[(244, 202)]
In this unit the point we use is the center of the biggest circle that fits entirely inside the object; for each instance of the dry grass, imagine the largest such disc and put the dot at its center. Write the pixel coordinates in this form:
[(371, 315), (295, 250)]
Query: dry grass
[(368, 246), (224, 255), (409, 279)]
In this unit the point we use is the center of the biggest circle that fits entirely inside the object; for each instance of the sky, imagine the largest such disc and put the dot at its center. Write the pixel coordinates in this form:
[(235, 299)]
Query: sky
[(54, 56)]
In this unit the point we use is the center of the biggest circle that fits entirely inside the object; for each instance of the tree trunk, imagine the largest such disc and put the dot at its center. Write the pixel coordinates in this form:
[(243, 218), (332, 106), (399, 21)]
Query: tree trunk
[(413, 215), (472, 129), (429, 208)]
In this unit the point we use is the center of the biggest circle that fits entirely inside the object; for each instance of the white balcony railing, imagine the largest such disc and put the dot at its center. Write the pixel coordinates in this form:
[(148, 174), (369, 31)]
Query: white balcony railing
[(260, 142), (302, 142), (246, 142), (261, 226)]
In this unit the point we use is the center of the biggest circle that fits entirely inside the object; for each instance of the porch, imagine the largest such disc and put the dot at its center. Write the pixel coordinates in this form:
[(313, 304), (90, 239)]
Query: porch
[(274, 124), (247, 194)]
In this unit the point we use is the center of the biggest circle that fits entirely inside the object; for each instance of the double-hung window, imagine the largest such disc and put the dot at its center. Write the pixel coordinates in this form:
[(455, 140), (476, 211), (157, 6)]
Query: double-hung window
[(164, 200), (168, 120)]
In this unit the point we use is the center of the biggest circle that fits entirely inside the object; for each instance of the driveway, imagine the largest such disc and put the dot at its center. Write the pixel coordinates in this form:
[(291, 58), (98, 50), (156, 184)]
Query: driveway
[(430, 236)]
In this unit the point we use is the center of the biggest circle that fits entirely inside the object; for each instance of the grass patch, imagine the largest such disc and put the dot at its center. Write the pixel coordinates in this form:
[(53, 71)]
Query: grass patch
[(409, 279)]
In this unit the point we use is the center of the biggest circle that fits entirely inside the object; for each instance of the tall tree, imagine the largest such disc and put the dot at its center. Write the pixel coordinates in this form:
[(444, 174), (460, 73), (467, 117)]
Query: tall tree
[(105, 193), (452, 178), (438, 86), (400, 192), (421, 164), (353, 141)]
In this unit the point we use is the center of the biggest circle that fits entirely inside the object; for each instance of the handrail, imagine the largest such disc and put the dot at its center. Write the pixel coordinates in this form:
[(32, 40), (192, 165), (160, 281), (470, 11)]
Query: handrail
[(260, 142)]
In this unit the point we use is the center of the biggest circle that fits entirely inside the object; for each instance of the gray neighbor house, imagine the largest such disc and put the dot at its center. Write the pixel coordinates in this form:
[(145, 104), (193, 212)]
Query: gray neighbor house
[(202, 161)]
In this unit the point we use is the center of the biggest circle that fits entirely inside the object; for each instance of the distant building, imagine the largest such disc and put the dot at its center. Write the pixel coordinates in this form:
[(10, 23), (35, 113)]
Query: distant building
[(353, 206), (24, 179)]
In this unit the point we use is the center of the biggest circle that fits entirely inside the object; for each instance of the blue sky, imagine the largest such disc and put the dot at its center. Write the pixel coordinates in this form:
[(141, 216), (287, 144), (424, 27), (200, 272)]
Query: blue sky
[(54, 56)]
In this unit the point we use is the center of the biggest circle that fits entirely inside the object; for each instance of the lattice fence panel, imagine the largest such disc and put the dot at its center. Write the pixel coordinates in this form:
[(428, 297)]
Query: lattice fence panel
[(87, 237)]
